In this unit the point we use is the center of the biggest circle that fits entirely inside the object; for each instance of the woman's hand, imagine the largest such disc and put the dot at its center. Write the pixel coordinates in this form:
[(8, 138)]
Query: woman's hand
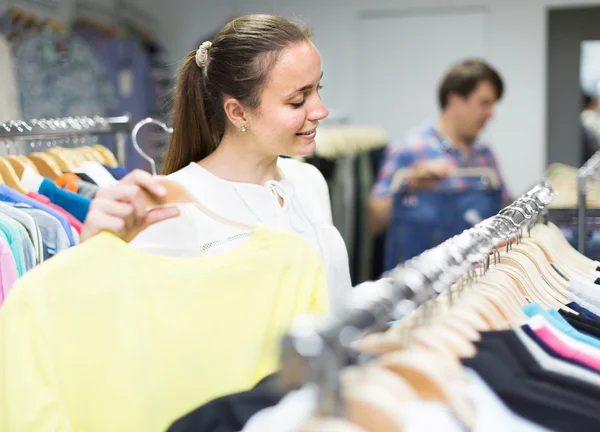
[(121, 210)]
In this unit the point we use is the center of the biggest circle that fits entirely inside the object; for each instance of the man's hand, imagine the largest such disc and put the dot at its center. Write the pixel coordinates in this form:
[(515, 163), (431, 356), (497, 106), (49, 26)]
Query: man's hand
[(426, 174)]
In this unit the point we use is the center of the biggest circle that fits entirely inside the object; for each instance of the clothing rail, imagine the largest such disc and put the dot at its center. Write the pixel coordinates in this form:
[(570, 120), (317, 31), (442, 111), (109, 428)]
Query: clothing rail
[(317, 353), (589, 171), (69, 127)]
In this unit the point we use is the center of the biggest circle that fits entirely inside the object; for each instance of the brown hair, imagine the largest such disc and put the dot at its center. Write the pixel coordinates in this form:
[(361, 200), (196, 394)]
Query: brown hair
[(463, 78), (239, 61)]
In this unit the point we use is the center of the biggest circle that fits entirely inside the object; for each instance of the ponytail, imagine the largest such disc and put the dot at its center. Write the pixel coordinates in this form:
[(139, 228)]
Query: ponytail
[(193, 138), (235, 64)]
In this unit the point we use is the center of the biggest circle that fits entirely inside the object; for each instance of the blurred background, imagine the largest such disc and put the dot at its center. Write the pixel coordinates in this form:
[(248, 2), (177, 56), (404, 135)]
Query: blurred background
[(382, 63)]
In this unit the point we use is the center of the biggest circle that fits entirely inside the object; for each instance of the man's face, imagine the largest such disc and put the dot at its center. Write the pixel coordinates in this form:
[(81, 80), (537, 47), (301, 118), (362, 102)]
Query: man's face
[(473, 112)]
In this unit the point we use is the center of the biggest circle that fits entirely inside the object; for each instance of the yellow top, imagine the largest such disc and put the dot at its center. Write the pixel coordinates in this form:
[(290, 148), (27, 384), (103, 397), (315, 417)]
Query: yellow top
[(107, 338)]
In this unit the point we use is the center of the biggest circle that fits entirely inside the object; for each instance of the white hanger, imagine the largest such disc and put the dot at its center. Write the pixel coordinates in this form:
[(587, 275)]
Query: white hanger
[(176, 193)]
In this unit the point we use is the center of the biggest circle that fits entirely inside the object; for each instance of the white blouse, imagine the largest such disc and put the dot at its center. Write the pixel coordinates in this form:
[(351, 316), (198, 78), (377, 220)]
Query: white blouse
[(306, 210)]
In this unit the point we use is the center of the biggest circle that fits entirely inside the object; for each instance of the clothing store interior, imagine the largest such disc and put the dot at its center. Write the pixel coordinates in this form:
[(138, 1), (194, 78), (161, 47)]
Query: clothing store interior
[(285, 216)]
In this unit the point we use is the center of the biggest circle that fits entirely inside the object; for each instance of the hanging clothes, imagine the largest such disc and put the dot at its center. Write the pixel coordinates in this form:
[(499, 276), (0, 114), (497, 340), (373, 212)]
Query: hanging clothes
[(11, 229), (156, 326), (11, 196), (8, 268), (30, 225), (59, 76), (129, 71)]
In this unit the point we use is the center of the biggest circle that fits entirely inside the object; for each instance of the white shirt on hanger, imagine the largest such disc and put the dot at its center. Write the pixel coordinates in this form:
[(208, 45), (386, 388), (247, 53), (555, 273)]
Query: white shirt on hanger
[(98, 173), (306, 210)]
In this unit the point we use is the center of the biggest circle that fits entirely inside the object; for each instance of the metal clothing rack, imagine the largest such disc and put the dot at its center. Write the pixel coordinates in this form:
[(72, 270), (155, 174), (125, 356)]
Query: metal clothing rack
[(589, 171), (317, 353), (70, 127)]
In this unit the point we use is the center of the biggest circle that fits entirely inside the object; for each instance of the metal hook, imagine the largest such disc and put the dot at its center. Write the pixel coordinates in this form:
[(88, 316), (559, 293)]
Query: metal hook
[(135, 132)]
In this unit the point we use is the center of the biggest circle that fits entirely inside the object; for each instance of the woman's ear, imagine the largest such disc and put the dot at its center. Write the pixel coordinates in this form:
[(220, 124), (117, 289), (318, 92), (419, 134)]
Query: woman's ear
[(235, 112)]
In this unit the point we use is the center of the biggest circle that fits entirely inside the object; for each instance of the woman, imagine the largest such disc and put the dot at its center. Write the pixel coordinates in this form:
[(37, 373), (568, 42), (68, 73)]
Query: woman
[(243, 100)]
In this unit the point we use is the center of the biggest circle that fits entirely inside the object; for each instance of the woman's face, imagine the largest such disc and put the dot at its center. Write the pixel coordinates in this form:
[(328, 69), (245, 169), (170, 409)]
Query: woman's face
[(286, 121)]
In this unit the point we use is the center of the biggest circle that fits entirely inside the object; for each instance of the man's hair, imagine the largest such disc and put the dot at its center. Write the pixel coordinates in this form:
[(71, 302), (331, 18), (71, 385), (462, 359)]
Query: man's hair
[(463, 78)]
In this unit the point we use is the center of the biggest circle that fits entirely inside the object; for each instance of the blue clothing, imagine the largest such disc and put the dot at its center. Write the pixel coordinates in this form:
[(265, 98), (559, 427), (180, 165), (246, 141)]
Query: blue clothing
[(117, 172), (559, 323), (77, 205), (583, 311), (422, 220), (129, 70), (12, 196)]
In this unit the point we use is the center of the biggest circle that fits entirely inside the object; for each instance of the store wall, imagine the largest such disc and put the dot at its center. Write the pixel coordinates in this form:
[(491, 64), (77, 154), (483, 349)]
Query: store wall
[(515, 42), (567, 29)]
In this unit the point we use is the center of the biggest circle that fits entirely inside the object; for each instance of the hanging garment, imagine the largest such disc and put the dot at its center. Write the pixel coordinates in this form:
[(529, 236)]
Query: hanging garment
[(306, 210), (422, 220), (54, 234), (72, 203), (545, 403), (59, 76), (11, 196), (343, 198), (231, 412), (170, 333), (86, 189), (9, 93), (8, 268), (581, 323), (10, 228), (96, 172), (74, 223), (30, 225), (555, 363), (129, 72), (29, 254), (117, 172)]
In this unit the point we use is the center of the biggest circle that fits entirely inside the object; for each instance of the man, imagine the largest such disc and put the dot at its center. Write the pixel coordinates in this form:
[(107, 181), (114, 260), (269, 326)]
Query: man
[(467, 97)]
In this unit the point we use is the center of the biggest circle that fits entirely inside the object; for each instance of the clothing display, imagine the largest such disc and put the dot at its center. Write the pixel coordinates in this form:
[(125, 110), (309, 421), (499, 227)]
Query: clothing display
[(142, 321), (517, 354), (350, 178), (269, 306), (42, 221), (305, 210), (128, 69)]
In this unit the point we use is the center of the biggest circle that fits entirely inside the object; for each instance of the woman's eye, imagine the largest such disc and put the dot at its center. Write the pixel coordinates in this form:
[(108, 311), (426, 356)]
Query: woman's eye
[(298, 104), (319, 87)]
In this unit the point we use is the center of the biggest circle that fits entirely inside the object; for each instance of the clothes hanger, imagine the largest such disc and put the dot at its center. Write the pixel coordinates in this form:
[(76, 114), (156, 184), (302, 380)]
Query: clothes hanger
[(434, 378), (533, 268), (176, 193), (45, 164), (521, 268), (18, 162), (108, 158), (534, 252), (372, 403), (10, 177), (62, 159)]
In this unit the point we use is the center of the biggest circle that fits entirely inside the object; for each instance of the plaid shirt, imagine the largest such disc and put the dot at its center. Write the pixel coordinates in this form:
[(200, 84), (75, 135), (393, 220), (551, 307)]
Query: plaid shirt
[(427, 144)]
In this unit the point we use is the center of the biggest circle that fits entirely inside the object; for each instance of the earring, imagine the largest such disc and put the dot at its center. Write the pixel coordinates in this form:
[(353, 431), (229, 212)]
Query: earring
[(244, 128)]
